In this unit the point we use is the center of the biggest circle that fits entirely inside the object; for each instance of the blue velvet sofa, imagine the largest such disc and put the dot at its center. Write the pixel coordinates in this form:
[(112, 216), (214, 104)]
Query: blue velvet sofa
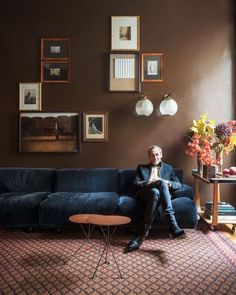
[(43, 197)]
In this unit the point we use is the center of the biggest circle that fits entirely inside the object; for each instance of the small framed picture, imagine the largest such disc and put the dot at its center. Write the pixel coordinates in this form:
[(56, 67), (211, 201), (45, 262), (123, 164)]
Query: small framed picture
[(124, 72), (30, 96), (152, 67), (55, 49), (125, 32), (46, 132), (95, 126), (55, 71)]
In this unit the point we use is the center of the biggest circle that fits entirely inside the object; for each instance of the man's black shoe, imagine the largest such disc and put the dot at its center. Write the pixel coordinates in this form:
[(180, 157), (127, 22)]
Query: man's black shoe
[(138, 240), (177, 234), (135, 243)]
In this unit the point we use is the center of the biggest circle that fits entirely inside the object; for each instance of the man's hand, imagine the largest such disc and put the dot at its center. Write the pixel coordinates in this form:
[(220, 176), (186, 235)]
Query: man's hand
[(166, 181)]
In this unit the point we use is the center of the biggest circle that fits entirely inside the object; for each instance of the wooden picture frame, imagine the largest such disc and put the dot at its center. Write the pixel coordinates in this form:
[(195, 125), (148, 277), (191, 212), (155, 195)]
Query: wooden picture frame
[(95, 126), (152, 67), (55, 71), (30, 96), (55, 49), (47, 132), (124, 72), (125, 33)]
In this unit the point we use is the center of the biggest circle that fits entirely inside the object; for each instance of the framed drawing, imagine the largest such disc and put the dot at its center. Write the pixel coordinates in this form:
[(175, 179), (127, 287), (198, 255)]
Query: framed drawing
[(55, 71), (125, 31), (152, 67), (30, 96), (55, 49), (124, 72), (95, 126), (49, 132)]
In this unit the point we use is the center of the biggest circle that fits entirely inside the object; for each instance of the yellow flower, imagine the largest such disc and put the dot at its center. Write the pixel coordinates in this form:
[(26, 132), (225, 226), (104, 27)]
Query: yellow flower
[(202, 126), (232, 143)]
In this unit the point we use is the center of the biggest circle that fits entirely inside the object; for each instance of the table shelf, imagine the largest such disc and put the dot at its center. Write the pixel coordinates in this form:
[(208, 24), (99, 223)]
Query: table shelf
[(216, 182), (221, 220)]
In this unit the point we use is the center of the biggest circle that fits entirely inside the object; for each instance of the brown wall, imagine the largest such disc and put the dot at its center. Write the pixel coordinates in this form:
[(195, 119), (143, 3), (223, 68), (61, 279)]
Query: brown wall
[(196, 37)]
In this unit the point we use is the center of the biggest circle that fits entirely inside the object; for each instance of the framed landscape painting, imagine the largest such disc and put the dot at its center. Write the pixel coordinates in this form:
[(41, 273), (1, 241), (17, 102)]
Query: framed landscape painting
[(49, 132), (95, 126)]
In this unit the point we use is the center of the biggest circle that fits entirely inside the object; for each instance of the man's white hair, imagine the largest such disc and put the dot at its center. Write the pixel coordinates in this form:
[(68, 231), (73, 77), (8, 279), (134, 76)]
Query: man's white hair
[(154, 146)]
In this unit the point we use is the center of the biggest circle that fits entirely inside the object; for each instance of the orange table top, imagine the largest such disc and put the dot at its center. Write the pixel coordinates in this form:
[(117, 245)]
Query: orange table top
[(99, 219)]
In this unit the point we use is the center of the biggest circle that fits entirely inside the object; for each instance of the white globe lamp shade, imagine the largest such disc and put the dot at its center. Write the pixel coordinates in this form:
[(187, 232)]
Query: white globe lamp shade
[(144, 107), (168, 106)]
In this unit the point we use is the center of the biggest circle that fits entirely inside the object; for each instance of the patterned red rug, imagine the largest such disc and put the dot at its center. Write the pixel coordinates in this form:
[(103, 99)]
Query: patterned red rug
[(47, 263)]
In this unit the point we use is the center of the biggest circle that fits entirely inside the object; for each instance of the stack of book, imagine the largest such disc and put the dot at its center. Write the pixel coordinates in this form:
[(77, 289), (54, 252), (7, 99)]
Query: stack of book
[(226, 212)]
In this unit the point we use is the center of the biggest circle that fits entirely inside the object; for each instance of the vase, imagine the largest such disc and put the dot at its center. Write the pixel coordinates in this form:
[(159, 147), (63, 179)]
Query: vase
[(219, 162), (199, 165)]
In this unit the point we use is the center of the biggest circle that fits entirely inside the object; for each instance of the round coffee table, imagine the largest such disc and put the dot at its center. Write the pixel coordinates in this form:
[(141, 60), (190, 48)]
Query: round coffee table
[(82, 219), (102, 221)]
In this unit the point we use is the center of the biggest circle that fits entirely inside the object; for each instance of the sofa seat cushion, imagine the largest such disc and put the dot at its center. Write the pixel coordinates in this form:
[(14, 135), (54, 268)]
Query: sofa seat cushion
[(56, 209), (133, 208), (20, 209), (185, 212), (184, 208)]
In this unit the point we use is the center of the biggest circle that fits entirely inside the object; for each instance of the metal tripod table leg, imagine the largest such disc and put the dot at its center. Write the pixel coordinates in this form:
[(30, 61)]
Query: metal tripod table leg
[(108, 236)]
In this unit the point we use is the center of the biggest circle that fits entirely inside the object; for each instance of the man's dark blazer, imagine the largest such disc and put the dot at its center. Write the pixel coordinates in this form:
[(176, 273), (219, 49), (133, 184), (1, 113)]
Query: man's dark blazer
[(166, 172)]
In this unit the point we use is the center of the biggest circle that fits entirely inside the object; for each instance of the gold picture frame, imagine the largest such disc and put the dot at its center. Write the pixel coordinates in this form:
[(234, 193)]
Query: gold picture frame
[(55, 71), (124, 72), (95, 126), (152, 67), (49, 132), (30, 96), (55, 49), (125, 33)]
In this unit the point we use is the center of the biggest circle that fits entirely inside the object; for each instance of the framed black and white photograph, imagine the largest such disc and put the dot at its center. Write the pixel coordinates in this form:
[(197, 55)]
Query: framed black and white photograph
[(124, 72), (95, 126), (48, 132), (125, 31), (152, 67), (55, 49), (30, 96), (55, 72)]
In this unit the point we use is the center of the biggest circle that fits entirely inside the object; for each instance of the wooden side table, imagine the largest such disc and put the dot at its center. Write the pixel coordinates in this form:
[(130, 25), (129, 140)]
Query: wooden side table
[(83, 219), (103, 221), (216, 181), (108, 221)]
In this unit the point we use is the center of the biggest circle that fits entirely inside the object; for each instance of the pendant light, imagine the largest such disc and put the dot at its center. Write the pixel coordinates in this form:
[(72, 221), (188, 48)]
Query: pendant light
[(168, 106), (144, 106)]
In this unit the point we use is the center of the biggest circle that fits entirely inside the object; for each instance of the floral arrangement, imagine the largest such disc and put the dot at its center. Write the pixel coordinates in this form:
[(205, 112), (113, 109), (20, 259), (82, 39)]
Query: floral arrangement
[(225, 137), (207, 137)]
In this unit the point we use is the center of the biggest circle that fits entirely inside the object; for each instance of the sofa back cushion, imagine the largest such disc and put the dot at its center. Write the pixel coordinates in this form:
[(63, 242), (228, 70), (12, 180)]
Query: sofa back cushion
[(127, 176), (179, 173), (87, 180), (27, 179)]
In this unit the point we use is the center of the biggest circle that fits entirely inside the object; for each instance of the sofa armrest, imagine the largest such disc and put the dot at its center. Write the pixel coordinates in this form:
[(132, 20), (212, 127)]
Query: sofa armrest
[(185, 191)]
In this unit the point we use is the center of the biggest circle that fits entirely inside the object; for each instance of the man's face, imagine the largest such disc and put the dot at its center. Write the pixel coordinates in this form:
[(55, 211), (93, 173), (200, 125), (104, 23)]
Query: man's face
[(155, 156)]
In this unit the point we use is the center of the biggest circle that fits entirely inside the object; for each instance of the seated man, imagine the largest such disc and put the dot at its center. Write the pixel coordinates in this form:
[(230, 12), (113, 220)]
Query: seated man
[(153, 183)]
